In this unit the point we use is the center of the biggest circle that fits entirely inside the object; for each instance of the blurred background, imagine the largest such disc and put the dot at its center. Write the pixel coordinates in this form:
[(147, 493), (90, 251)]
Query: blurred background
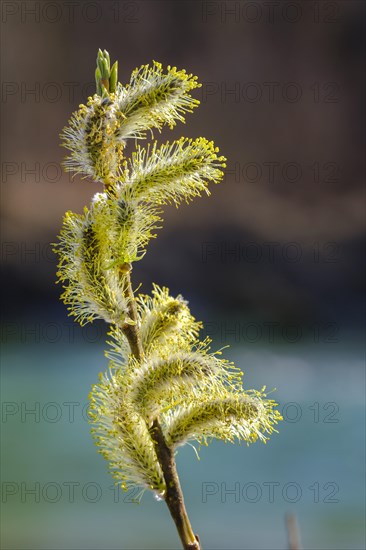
[(272, 262)]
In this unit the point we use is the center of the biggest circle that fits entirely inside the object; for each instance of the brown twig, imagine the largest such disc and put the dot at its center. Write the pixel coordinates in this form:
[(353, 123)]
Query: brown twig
[(174, 496), (292, 532)]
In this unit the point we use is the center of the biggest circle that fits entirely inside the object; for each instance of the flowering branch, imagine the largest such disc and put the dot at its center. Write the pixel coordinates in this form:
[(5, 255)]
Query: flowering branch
[(164, 386)]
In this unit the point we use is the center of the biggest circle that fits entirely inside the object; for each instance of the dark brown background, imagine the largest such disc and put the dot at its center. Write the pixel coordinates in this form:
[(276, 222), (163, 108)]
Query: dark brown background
[(314, 49)]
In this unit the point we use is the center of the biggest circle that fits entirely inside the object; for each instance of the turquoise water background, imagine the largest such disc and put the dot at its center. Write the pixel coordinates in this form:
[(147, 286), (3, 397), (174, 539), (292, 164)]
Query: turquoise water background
[(57, 493)]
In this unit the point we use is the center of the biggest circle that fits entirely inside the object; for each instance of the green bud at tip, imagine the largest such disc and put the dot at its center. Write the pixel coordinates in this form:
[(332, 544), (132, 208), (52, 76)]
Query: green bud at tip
[(97, 81), (99, 56), (106, 78), (104, 69), (113, 77), (106, 56)]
